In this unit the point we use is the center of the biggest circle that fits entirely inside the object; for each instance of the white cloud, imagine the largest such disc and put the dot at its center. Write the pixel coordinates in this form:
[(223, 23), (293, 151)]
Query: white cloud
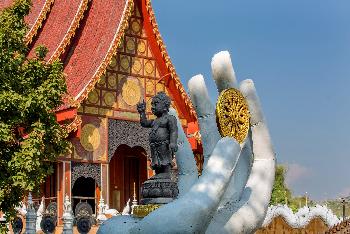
[(345, 192), (296, 172)]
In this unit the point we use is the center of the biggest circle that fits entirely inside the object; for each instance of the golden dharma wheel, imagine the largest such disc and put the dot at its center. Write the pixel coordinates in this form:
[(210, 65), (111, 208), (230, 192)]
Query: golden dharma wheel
[(232, 114)]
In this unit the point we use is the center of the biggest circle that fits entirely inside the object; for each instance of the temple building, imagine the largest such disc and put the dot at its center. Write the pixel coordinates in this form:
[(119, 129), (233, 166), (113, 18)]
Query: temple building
[(114, 57)]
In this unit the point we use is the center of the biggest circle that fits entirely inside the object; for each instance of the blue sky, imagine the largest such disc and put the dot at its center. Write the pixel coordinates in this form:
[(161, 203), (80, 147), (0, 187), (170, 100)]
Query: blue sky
[(298, 54)]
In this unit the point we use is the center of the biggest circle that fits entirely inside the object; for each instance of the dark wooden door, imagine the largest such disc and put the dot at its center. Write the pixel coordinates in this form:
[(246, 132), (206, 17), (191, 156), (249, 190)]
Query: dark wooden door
[(128, 166), (131, 177)]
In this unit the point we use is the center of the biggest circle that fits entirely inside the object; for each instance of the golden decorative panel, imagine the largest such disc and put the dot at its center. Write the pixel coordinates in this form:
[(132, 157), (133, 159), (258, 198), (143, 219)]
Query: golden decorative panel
[(113, 63), (124, 63), (93, 97), (130, 45), (92, 144), (149, 67), (131, 92), (109, 98), (90, 137), (126, 115), (137, 66), (90, 110), (142, 47), (232, 114), (160, 87), (112, 81), (105, 112), (136, 26), (150, 87)]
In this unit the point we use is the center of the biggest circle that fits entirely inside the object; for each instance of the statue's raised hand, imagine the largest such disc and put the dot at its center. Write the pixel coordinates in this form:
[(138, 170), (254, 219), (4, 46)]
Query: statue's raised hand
[(141, 107)]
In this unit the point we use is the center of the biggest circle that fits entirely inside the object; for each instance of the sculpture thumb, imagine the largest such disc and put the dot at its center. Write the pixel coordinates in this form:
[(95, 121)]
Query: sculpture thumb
[(192, 212), (186, 165)]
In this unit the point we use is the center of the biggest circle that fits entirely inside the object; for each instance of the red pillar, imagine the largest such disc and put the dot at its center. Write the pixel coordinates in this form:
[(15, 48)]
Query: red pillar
[(60, 191)]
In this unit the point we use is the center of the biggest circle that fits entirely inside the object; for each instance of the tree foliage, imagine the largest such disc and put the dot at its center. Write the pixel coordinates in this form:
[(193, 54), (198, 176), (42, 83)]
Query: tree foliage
[(281, 194), (30, 91)]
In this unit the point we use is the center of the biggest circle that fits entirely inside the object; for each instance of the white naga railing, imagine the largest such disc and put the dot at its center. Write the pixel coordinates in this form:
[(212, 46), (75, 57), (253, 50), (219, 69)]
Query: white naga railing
[(302, 217)]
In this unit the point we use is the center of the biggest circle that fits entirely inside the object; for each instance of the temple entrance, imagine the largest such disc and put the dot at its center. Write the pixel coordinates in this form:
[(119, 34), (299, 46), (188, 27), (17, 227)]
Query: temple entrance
[(127, 171), (84, 191)]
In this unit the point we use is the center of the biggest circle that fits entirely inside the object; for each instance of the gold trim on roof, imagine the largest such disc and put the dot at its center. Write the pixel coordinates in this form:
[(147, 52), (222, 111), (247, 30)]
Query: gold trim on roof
[(73, 126), (38, 22), (166, 58), (111, 52), (71, 31)]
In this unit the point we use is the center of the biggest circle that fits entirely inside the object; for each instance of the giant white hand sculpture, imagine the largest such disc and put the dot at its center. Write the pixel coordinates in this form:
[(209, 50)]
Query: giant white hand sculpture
[(233, 193)]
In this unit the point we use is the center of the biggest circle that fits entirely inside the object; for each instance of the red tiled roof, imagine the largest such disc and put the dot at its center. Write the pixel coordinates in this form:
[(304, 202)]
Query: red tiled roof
[(96, 32), (59, 26), (35, 17), (37, 8), (95, 40)]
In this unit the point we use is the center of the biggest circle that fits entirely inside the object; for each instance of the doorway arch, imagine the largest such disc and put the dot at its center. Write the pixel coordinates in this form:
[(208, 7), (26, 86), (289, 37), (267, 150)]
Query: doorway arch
[(127, 166), (84, 190)]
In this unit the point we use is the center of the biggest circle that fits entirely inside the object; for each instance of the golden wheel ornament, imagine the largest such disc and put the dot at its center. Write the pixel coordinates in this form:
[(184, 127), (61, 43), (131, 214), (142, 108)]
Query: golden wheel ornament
[(232, 115), (90, 137), (131, 92)]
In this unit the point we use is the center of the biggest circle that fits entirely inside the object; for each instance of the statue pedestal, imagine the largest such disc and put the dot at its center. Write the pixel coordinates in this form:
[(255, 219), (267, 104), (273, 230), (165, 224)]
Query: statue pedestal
[(159, 189)]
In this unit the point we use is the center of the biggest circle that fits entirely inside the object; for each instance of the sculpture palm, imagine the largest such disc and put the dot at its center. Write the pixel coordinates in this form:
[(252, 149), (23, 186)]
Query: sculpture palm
[(233, 193)]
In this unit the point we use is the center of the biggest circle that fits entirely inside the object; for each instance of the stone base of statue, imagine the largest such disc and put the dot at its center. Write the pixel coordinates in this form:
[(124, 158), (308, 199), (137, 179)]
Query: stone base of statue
[(159, 189)]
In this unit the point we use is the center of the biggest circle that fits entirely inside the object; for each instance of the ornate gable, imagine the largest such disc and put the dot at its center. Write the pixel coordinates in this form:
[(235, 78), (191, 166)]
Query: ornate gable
[(132, 76)]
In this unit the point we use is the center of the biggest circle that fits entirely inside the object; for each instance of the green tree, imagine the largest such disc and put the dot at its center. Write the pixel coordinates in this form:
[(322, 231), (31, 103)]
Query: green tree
[(30, 91), (280, 192)]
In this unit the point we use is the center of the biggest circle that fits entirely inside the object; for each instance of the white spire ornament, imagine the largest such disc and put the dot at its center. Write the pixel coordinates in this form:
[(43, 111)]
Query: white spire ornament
[(67, 216), (30, 216), (101, 217), (134, 201)]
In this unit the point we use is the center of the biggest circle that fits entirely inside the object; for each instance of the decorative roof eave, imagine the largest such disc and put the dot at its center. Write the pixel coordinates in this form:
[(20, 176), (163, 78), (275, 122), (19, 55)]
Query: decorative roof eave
[(111, 52), (71, 31), (38, 22), (73, 126), (167, 60)]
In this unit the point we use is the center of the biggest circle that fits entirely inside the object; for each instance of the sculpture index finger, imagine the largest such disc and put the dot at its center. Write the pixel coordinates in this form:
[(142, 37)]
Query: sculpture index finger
[(222, 71), (206, 115)]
